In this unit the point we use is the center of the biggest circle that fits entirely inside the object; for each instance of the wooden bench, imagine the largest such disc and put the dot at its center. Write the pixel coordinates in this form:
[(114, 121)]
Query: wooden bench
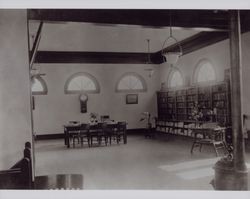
[(18, 176)]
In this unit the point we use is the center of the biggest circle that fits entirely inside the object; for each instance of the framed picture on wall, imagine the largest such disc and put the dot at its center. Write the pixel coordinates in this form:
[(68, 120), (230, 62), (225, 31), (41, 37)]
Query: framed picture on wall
[(132, 99)]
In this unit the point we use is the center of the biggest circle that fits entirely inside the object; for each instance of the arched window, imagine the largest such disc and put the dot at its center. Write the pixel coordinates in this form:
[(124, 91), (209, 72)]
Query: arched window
[(131, 82), (204, 72), (175, 79), (81, 82), (38, 86)]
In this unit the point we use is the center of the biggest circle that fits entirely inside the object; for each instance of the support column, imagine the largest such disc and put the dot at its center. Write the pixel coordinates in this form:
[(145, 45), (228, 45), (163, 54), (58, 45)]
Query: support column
[(236, 101), (231, 173)]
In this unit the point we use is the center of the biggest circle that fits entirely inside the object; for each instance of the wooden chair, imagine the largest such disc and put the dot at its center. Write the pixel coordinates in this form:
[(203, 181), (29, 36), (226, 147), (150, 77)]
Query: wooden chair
[(111, 132), (98, 134), (212, 135), (73, 134), (102, 133), (121, 132), (84, 134)]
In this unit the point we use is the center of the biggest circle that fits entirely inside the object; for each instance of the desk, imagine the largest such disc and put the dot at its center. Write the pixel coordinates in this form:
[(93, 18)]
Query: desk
[(214, 136)]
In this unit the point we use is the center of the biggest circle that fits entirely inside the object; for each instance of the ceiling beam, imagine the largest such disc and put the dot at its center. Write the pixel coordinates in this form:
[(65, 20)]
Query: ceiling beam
[(188, 45), (192, 43), (215, 20), (36, 44), (91, 57)]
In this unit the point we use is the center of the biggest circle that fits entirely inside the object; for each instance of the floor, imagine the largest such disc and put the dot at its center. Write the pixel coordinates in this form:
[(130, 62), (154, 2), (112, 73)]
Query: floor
[(144, 164)]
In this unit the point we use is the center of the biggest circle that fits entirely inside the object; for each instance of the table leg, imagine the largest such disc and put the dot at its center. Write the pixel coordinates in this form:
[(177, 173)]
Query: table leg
[(125, 139)]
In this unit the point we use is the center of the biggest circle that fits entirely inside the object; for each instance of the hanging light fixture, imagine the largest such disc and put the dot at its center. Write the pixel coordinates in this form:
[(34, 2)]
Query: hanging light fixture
[(171, 57), (150, 70)]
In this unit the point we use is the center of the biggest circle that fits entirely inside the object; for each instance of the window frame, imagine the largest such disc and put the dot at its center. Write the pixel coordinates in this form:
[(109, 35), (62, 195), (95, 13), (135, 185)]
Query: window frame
[(170, 76), (44, 86), (142, 80), (78, 74), (197, 71)]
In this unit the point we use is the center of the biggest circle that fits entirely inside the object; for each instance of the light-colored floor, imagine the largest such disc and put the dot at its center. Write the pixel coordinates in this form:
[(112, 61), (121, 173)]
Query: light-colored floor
[(140, 164)]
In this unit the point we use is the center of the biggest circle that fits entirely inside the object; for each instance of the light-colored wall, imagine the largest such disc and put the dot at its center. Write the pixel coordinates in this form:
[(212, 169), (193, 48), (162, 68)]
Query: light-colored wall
[(219, 55), (15, 115), (56, 108)]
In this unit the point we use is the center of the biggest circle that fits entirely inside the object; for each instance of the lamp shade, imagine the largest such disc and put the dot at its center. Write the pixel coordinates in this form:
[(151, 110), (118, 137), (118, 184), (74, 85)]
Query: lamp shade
[(172, 57)]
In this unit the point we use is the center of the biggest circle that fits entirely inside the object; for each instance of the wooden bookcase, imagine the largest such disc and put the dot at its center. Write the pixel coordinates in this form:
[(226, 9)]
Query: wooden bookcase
[(177, 105), (181, 105)]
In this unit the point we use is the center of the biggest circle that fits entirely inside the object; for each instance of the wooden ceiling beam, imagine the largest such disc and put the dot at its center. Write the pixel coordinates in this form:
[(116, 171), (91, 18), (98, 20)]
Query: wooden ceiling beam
[(91, 57), (137, 17), (212, 20), (188, 45), (193, 43)]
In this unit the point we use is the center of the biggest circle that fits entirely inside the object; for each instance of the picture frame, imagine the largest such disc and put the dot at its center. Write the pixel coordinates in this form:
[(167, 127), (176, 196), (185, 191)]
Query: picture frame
[(132, 99)]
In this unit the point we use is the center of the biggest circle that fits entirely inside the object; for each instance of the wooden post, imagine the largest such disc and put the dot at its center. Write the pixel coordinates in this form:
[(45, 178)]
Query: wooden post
[(236, 101)]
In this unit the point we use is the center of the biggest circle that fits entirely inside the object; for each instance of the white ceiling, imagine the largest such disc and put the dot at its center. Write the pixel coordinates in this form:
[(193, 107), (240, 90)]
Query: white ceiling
[(73, 36)]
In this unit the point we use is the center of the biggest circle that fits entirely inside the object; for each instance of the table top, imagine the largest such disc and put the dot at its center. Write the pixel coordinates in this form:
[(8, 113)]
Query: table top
[(90, 123)]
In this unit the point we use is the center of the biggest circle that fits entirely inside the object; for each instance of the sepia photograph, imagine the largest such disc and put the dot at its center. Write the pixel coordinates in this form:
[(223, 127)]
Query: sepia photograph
[(125, 99)]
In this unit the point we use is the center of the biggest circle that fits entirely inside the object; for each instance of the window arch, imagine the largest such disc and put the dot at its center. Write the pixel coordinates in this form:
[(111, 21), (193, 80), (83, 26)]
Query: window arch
[(81, 82), (175, 79), (131, 82), (38, 86), (204, 72)]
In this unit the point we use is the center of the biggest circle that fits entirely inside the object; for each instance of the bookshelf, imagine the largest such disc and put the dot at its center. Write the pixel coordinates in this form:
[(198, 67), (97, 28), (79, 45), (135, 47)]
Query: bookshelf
[(181, 105), (191, 99), (220, 102), (177, 105)]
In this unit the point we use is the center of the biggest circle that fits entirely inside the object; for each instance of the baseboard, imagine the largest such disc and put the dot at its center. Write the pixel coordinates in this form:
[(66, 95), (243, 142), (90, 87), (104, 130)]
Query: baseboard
[(135, 131), (61, 135), (49, 136)]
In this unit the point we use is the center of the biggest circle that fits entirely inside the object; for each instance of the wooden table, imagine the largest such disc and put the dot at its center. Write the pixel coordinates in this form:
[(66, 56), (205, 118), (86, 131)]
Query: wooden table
[(214, 136), (70, 130)]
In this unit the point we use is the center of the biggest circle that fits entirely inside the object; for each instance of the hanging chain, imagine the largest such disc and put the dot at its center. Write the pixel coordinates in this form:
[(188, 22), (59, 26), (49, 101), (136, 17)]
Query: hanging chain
[(170, 24), (149, 60)]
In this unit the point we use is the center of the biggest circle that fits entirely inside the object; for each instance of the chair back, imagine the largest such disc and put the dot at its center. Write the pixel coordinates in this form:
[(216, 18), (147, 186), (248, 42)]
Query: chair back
[(85, 128), (72, 129), (105, 118), (121, 126), (102, 127)]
